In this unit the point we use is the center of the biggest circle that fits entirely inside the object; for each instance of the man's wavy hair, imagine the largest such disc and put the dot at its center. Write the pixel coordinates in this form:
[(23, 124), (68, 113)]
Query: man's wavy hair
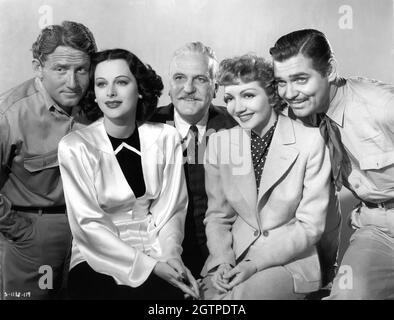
[(68, 34), (310, 43), (149, 84), (248, 68)]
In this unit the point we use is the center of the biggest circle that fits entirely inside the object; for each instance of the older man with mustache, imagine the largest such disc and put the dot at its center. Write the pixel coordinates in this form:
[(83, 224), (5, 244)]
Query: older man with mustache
[(192, 88)]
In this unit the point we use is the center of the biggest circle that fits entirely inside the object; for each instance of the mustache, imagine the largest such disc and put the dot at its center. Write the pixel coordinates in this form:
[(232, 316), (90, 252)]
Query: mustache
[(189, 97)]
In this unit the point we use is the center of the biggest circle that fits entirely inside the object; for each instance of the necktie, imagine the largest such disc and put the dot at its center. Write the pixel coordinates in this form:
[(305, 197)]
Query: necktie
[(191, 150), (340, 163)]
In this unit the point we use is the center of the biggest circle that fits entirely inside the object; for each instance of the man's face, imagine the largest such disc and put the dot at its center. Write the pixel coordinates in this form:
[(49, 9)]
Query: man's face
[(65, 75), (303, 87), (191, 86)]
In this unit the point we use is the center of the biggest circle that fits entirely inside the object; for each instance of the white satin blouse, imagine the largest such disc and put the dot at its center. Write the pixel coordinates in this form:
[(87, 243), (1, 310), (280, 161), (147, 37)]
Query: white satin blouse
[(113, 231)]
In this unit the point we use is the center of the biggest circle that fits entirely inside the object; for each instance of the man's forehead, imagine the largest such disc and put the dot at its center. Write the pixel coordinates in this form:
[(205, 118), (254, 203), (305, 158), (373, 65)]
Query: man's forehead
[(194, 63), (67, 55), (293, 65)]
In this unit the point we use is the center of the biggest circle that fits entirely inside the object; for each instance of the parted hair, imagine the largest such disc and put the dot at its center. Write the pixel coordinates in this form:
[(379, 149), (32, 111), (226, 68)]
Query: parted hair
[(248, 68), (149, 84), (69, 33), (311, 43)]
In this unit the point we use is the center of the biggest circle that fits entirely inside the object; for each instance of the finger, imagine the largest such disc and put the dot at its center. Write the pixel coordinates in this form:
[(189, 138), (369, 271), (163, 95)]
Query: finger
[(177, 266), (219, 285), (237, 280), (174, 273), (186, 289), (231, 273), (192, 282)]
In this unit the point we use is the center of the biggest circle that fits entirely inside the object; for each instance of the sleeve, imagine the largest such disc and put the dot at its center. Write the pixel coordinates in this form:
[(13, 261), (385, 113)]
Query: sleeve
[(220, 216), (294, 238), (5, 204), (93, 231), (170, 208)]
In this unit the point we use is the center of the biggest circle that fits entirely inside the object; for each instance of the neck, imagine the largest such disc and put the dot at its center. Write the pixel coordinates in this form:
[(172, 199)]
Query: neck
[(193, 119), (266, 126), (331, 94), (120, 129)]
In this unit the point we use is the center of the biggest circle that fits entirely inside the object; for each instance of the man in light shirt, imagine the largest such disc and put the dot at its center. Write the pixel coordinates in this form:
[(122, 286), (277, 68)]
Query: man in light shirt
[(192, 88), (34, 116), (357, 120)]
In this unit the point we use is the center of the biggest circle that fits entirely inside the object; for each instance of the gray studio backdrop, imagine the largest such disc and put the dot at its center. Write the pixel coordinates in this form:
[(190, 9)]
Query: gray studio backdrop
[(361, 33)]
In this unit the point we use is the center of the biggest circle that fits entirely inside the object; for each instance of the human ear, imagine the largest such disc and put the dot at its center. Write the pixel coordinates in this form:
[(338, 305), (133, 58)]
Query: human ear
[(332, 70), (215, 90), (37, 68)]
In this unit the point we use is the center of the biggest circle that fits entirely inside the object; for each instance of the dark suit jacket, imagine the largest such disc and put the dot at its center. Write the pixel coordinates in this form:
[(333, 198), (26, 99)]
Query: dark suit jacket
[(195, 250)]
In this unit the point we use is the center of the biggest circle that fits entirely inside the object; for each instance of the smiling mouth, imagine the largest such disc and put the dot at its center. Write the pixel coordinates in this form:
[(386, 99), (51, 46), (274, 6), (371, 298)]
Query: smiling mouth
[(70, 93), (113, 104), (297, 102), (245, 117), (189, 99)]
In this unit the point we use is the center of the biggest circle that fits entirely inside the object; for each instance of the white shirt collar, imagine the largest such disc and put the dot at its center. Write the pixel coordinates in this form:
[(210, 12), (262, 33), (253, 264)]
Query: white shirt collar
[(184, 126)]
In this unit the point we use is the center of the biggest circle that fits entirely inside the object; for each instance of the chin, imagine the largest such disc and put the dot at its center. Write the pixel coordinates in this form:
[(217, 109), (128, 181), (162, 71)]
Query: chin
[(302, 112)]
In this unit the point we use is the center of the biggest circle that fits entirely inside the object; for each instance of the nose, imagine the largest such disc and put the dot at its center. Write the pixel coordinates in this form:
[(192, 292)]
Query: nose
[(111, 92), (239, 107), (189, 86), (72, 81), (290, 92)]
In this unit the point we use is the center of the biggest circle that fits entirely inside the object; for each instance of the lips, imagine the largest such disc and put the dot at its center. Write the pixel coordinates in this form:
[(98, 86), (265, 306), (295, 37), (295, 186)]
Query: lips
[(70, 93), (190, 99), (113, 104), (245, 117), (297, 102)]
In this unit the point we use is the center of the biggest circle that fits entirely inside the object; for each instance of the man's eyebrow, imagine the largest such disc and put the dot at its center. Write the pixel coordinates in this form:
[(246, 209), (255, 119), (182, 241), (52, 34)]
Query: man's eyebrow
[(294, 76)]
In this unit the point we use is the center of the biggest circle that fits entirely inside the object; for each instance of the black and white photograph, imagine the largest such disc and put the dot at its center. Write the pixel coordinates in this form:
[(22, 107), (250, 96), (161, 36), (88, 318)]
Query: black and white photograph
[(196, 154)]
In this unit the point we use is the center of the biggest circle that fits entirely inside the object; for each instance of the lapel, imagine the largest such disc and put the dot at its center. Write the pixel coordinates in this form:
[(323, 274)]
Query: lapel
[(281, 155), (241, 169)]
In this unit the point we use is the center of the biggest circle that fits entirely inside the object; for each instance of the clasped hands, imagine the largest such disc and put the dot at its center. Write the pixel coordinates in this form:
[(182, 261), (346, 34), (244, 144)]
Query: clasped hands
[(226, 277), (176, 273)]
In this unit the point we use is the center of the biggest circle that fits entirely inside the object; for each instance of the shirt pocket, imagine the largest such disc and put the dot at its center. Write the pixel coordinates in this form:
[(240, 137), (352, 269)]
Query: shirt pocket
[(377, 161), (41, 174)]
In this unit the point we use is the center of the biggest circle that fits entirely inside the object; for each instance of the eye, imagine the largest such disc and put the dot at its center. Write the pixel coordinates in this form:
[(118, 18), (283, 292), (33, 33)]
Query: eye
[(248, 95), (60, 69), (178, 77), (202, 79), (122, 82), (301, 80), (100, 84), (82, 71), (280, 83), (227, 99)]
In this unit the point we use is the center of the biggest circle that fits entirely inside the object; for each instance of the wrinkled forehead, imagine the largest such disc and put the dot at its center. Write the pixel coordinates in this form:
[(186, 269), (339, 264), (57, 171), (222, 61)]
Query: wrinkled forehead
[(67, 56), (293, 65), (192, 64)]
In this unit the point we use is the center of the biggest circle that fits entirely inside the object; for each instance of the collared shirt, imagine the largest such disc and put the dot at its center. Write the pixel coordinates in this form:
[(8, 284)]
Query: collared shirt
[(363, 109), (29, 116), (259, 150), (183, 127)]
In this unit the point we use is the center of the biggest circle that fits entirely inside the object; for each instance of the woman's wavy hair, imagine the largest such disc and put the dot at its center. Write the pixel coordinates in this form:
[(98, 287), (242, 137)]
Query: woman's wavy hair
[(149, 84), (248, 68)]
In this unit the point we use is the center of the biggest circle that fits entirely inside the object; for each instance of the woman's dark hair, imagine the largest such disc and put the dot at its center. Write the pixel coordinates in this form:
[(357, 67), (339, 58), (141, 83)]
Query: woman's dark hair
[(311, 43), (149, 84), (248, 68)]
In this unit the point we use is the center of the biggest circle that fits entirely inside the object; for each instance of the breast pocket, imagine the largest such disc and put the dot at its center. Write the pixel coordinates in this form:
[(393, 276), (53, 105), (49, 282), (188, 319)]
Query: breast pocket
[(41, 173)]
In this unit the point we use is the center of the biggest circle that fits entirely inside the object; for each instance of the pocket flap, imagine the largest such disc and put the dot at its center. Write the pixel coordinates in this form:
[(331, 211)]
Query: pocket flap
[(41, 162), (377, 161)]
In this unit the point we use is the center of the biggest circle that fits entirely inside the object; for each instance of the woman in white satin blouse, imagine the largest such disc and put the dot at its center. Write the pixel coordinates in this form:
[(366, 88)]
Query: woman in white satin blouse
[(125, 189)]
